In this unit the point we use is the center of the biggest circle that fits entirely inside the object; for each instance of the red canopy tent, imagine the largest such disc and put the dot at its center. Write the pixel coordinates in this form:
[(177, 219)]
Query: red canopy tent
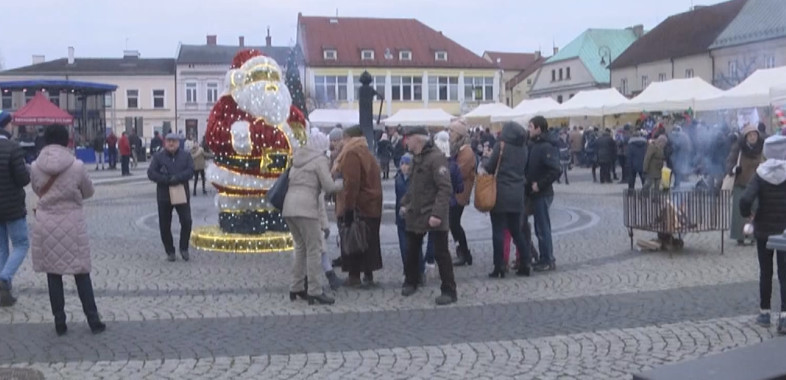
[(40, 111)]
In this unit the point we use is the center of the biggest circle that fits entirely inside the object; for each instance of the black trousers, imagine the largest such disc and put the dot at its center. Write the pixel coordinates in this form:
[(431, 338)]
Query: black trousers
[(459, 236), (512, 222), (441, 255), (594, 173), (165, 225), (197, 173), (385, 166), (84, 287), (124, 161), (624, 172), (765, 274), (605, 172), (632, 174)]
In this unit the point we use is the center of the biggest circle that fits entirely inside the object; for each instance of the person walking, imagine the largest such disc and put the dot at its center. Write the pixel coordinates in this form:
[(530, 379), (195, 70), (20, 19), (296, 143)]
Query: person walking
[(654, 159), (463, 155), (564, 156), (98, 147), (385, 153), (745, 157), (136, 148), (425, 208), (198, 155), (576, 140), (508, 161), (309, 176), (124, 147), (590, 150), (607, 153), (111, 147), (768, 187), (60, 245), (361, 199), (171, 169), (542, 170), (637, 149), (14, 176)]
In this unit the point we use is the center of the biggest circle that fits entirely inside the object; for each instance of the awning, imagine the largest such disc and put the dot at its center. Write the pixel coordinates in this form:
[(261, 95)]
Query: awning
[(673, 95), (754, 91), (589, 103), (40, 111), (527, 108), (425, 117), (331, 117)]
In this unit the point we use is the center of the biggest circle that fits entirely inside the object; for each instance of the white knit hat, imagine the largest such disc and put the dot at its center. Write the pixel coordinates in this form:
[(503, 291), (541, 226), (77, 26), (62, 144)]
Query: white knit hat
[(318, 140)]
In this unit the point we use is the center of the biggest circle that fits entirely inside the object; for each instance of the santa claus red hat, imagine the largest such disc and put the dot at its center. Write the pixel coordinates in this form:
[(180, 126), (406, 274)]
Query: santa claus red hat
[(243, 56)]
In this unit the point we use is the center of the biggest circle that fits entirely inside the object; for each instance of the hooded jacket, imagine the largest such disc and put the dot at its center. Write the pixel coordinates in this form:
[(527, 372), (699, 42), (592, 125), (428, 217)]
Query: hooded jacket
[(308, 178), (769, 188), (511, 172), (59, 242), (13, 179), (542, 166)]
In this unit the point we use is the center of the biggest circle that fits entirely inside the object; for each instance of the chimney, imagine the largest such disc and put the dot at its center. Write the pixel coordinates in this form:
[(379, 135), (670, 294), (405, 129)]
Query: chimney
[(537, 55), (241, 41), (38, 58), (211, 39), (70, 55), (556, 50), (268, 39), (131, 54), (638, 30)]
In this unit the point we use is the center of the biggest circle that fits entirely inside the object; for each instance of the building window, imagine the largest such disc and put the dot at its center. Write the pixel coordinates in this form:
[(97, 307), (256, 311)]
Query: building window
[(132, 98), (567, 73), (661, 77), (553, 75), (367, 55), (645, 81), (441, 56), (329, 55), (732, 68), (7, 100), (212, 92), (191, 92), (331, 88), (158, 99), (405, 55), (54, 97), (479, 88), (688, 73), (406, 88), (108, 100), (378, 83), (559, 99), (624, 86), (443, 88), (769, 62), (560, 74)]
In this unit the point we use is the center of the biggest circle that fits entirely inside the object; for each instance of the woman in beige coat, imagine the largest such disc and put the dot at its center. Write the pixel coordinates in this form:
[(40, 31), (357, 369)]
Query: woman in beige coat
[(309, 177), (60, 245)]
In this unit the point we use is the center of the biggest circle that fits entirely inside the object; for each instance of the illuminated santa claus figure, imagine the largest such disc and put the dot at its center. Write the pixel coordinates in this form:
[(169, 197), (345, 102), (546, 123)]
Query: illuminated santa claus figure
[(252, 130)]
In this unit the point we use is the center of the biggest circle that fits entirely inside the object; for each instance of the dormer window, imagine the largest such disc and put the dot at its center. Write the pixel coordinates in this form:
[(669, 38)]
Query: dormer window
[(405, 55), (367, 55), (329, 54), (441, 56)]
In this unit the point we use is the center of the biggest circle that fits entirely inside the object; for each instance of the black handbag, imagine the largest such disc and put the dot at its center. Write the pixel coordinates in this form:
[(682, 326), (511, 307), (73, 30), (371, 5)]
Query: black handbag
[(278, 192), (354, 238)]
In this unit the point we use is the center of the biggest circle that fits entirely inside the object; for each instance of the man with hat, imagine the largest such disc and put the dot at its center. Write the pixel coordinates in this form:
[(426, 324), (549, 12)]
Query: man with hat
[(425, 210), (171, 169), (14, 176)]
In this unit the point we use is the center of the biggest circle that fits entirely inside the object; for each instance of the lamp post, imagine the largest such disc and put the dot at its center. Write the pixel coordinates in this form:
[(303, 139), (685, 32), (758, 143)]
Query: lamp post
[(777, 242)]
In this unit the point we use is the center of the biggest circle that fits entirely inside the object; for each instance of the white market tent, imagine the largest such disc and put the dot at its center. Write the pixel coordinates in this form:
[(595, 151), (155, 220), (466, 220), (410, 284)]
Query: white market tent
[(488, 110), (778, 95), (426, 117), (673, 95), (589, 103), (330, 117), (527, 108), (754, 91)]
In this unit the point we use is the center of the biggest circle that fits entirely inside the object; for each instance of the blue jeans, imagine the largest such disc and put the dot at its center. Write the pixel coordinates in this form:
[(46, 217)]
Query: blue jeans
[(540, 207), (10, 261), (402, 244)]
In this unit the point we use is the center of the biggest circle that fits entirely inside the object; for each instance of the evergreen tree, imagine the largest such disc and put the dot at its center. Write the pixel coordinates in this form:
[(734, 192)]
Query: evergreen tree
[(293, 81)]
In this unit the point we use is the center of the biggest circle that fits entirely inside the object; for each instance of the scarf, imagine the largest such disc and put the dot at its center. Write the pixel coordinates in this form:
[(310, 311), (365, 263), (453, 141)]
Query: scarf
[(457, 144), (351, 144), (752, 151)]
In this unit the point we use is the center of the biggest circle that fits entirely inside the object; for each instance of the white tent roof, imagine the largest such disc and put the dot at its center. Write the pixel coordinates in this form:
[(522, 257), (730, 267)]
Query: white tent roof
[(752, 92), (331, 117), (488, 110), (589, 103), (429, 117), (673, 95), (778, 95), (527, 108)]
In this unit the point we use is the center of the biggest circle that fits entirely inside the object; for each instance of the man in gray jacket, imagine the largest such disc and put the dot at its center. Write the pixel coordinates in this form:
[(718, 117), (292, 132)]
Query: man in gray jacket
[(171, 169), (14, 176)]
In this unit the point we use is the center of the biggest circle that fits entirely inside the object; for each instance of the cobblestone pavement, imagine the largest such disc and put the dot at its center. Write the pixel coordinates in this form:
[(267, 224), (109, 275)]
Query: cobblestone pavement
[(605, 313)]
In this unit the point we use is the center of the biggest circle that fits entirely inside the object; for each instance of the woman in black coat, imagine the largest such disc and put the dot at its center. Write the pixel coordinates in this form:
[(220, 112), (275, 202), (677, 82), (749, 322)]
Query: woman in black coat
[(768, 187)]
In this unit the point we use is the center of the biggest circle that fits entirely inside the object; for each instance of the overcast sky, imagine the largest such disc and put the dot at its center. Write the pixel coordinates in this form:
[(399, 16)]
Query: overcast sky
[(104, 28)]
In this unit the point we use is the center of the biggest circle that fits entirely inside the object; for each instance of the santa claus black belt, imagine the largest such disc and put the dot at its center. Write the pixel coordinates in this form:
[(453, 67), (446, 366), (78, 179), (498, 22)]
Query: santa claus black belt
[(273, 162)]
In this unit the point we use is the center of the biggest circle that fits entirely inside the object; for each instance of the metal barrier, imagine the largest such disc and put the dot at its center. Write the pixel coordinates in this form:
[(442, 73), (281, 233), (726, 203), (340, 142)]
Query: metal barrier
[(677, 212)]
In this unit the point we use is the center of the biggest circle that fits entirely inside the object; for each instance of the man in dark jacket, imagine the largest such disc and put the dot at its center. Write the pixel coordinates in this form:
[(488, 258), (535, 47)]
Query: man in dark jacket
[(425, 209), (542, 170), (156, 143), (98, 148), (607, 153), (171, 169), (637, 149), (14, 176)]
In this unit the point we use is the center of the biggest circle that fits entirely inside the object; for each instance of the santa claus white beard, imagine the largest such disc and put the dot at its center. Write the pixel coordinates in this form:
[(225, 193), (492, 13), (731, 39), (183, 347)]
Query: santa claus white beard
[(273, 106)]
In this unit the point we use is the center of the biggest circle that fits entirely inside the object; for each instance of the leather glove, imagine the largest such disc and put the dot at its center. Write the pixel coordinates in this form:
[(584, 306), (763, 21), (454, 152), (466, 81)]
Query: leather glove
[(173, 180), (326, 231)]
